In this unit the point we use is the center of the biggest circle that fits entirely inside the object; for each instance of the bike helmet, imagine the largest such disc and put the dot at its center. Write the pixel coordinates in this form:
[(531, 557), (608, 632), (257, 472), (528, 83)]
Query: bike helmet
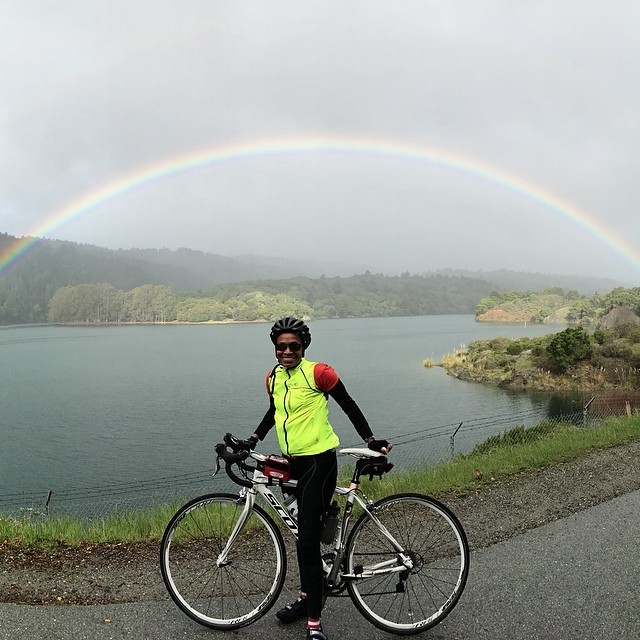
[(291, 325)]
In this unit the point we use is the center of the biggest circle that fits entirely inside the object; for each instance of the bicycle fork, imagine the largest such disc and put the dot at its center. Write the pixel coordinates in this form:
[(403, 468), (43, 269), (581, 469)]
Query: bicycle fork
[(249, 500)]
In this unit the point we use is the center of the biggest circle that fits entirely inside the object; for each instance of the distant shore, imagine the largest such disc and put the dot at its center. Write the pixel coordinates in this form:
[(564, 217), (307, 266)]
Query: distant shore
[(129, 324)]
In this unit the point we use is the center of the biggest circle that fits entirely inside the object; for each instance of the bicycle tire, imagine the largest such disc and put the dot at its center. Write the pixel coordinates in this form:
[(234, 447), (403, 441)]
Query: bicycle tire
[(246, 586), (414, 600)]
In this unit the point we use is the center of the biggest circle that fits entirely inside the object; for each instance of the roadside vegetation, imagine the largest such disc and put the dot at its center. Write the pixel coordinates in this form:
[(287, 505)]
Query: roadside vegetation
[(498, 457)]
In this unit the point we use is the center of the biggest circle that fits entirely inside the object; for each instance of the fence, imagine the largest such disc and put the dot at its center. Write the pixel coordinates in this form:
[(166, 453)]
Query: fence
[(419, 448)]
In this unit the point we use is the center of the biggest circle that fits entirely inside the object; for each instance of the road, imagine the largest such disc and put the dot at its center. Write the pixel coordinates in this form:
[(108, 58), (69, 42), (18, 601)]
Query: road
[(576, 578)]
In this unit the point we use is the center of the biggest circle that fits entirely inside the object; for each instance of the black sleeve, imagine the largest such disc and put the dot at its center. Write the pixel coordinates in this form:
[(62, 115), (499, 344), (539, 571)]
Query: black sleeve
[(268, 421), (340, 394)]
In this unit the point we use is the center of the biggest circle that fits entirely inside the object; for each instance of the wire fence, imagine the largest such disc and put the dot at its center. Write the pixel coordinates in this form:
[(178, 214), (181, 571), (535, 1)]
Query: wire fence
[(425, 447)]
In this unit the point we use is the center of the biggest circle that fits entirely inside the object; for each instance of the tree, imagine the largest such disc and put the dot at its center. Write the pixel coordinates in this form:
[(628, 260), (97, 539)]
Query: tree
[(110, 303), (572, 295), (202, 310), (151, 303), (164, 304), (568, 347), (621, 297)]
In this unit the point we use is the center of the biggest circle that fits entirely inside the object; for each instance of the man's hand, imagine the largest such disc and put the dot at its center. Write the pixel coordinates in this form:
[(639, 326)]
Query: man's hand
[(249, 444), (383, 446)]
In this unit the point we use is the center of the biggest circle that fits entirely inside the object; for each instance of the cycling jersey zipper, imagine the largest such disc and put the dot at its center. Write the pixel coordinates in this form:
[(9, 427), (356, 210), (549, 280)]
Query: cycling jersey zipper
[(284, 406)]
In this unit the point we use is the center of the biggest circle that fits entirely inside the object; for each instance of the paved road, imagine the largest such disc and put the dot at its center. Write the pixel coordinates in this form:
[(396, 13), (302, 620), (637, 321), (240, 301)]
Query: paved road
[(577, 578)]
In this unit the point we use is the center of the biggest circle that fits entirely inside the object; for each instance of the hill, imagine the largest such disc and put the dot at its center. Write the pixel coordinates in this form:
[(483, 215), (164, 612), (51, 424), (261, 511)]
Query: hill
[(554, 306), (506, 280), (27, 287)]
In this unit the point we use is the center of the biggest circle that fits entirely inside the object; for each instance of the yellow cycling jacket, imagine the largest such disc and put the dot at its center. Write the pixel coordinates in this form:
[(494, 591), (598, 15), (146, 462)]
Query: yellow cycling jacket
[(301, 408)]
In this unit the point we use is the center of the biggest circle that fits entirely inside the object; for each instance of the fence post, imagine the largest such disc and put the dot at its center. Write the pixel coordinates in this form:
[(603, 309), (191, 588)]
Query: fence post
[(452, 441), (46, 504), (584, 411)]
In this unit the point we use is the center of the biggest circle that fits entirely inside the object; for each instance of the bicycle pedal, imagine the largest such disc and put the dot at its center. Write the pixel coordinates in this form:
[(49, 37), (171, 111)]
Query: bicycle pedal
[(400, 587)]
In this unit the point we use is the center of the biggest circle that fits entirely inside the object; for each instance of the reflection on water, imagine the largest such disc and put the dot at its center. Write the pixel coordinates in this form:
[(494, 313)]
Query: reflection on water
[(560, 404)]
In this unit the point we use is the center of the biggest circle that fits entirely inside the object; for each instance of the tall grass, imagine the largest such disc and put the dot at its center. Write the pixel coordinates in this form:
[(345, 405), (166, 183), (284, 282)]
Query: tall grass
[(516, 450), (40, 530)]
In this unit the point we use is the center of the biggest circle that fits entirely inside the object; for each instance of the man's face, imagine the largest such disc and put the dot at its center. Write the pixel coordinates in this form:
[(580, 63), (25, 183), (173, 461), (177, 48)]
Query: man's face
[(289, 350)]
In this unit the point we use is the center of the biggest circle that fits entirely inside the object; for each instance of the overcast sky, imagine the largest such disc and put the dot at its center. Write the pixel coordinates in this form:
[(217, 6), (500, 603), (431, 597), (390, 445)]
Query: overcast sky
[(544, 94)]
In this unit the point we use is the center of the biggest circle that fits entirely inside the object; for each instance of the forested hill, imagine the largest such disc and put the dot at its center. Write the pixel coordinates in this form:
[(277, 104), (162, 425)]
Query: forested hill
[(506, 280), (365, 295), (28, 286), (556, 306)]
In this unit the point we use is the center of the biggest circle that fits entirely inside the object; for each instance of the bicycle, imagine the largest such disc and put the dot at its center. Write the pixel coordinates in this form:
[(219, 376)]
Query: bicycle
[(404, 562)]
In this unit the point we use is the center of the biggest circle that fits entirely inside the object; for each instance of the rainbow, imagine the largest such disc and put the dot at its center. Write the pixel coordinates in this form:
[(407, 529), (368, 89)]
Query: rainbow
[(272, 147)]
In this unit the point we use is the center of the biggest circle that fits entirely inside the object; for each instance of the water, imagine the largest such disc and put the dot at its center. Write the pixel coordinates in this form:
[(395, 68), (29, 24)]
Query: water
[(84, 406)]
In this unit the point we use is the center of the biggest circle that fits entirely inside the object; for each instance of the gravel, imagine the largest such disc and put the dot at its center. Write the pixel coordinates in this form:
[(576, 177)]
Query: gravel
[(496, 510)]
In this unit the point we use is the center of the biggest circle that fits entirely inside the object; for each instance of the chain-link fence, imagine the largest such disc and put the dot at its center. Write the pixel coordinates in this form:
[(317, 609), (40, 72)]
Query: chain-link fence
[(425, 447)]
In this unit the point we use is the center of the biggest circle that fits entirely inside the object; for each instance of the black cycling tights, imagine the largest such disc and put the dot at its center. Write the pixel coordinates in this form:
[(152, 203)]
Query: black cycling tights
[(317, 476)]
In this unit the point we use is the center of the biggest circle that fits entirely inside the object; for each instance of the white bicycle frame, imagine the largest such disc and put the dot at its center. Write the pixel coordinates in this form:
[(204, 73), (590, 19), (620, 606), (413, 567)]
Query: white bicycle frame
[(261, 485)]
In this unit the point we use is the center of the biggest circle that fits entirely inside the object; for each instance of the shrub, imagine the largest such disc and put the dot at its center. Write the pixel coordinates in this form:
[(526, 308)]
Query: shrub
[(616, 349), (517, 436), (568, 347), (520, 345)]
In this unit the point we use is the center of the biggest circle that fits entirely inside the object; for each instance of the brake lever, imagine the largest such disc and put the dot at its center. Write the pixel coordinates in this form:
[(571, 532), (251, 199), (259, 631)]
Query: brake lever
[(215, 473), (232, 442)]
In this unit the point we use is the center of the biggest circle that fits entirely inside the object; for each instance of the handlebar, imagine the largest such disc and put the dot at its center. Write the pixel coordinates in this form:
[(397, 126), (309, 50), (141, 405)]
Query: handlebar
[(237, 455), (230, 457), (369, 463)]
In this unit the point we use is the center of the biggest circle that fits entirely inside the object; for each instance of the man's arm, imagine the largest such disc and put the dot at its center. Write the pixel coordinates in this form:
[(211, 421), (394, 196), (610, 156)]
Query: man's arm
[(266, 423), (340, 394)]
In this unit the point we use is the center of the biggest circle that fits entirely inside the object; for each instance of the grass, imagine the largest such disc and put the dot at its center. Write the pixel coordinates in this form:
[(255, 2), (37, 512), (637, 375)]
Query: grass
[(516, 450), (33, 529), (539, 446)]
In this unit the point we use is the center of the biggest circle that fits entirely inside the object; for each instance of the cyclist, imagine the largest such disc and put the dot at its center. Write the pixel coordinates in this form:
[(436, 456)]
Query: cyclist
[(298, 392)]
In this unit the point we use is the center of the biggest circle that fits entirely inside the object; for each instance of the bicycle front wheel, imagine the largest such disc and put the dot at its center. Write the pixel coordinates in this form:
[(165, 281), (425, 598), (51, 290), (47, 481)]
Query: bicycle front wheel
[(412, 598), (222, 592)]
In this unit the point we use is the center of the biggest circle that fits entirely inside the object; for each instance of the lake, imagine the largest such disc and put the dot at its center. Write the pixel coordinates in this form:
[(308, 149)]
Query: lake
[(88, 406)]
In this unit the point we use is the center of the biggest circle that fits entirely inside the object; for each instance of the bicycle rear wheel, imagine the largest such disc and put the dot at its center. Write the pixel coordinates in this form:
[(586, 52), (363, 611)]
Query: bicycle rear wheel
[(229, 593), (410, 600)]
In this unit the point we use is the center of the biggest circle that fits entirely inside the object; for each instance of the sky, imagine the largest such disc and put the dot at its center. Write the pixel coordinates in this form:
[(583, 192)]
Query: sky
[(392, 135)]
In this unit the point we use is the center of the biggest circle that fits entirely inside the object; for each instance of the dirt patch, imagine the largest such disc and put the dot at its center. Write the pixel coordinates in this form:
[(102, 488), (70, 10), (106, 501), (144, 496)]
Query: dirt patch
[(498, 314), (87, 574)]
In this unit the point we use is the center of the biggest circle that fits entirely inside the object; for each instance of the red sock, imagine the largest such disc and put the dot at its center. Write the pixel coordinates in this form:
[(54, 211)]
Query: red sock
[(314, 623)]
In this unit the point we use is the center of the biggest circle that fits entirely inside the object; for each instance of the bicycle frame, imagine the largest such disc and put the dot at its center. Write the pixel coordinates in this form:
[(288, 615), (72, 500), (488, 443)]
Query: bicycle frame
[(261, 485)]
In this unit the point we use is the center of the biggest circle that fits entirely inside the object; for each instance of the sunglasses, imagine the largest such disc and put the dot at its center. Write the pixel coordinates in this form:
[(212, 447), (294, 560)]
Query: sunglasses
[(294, 347)]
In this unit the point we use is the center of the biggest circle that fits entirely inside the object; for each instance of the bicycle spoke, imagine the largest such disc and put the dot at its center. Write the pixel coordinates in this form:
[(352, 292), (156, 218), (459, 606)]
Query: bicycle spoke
[(419, 596), (229, 594)]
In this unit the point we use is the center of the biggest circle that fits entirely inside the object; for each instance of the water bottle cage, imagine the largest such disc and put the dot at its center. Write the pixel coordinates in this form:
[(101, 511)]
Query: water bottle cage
[(373, 467)]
